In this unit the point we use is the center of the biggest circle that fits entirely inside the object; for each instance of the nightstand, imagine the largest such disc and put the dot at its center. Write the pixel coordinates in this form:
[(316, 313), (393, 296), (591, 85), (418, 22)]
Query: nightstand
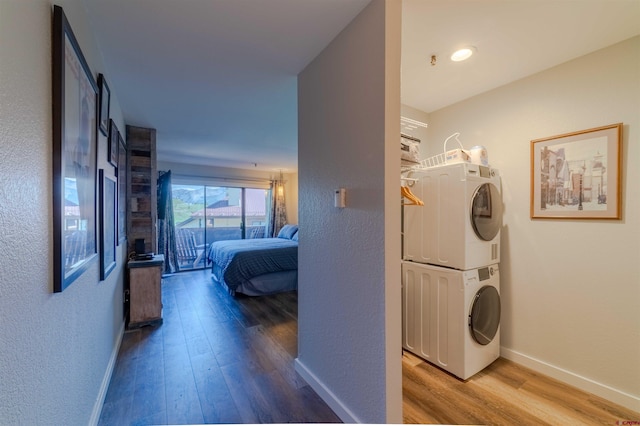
[(145, 291)]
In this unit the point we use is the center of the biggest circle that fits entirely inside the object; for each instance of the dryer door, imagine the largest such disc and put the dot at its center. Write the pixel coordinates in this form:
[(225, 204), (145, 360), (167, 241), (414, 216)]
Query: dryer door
[(486, 211), (484, 318)]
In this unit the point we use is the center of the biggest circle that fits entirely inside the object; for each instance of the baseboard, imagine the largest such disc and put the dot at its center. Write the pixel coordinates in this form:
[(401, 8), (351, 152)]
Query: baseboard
[(585, 384), (325, 393), (104, 387)]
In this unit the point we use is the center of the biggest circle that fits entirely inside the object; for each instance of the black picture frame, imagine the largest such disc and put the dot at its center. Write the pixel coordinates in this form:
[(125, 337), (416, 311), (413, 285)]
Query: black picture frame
[(112, 151), (121, 172), (105, 103), (107, 225), (75, 135)]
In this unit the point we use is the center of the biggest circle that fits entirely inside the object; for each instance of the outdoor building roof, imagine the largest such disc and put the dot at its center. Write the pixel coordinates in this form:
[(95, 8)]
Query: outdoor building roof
[(256, 206)]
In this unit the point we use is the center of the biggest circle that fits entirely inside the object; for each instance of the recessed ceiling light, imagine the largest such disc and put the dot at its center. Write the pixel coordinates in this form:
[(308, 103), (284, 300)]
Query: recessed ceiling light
[(462, 54)]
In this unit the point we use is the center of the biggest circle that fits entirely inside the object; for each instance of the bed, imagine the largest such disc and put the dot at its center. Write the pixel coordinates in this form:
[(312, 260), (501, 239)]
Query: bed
[(259, 266)]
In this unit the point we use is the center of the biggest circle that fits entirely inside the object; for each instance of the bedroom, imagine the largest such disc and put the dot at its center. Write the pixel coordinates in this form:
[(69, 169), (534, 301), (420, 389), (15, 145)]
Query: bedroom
[(45, 328)]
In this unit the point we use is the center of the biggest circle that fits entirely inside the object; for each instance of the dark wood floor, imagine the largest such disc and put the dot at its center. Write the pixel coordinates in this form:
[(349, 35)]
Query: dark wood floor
[(219, 359), (214, 359)]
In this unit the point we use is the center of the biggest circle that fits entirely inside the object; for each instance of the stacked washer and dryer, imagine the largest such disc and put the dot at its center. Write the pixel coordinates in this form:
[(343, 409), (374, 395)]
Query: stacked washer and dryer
[(450, 272)]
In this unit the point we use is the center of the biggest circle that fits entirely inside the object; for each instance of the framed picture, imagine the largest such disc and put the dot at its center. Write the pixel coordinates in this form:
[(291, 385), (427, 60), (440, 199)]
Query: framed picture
[(112, 151), (122, 190), (105, 98), (75, 101), (107, 225), (577, 175)]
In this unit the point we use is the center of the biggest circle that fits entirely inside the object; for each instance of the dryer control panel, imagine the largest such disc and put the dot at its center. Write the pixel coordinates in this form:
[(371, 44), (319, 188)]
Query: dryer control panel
[(486, 272)]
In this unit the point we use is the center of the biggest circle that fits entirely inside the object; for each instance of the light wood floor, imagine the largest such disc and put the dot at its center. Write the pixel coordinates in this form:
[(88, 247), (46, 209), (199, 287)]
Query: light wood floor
[(504, 393), (219, 359)]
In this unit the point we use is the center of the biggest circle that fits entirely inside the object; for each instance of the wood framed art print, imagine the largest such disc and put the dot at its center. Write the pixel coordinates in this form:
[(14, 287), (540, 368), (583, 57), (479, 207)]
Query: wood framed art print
[(105, 101), (577, 175), (112, 151), (75, 134), (121, 172), (108, 214)]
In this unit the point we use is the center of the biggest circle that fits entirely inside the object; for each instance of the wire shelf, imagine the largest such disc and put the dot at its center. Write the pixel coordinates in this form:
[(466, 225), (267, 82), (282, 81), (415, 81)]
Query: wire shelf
[(440, 159)]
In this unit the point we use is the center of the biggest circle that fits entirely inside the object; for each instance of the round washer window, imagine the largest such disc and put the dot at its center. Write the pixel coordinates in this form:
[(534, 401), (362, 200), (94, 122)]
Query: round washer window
[(486, 211), (484, 318)]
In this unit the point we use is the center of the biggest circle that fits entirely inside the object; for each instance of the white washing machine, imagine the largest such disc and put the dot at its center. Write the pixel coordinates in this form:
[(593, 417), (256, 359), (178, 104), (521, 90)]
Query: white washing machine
[(451, 318), (459, 224)]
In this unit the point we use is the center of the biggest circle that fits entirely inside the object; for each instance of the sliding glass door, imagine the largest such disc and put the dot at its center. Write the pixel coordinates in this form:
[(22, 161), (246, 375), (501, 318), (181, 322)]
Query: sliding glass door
[(256, 212), (204, 214)]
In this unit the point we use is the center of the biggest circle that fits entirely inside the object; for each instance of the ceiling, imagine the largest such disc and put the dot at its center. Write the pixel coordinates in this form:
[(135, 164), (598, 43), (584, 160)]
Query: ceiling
[(217, 78)]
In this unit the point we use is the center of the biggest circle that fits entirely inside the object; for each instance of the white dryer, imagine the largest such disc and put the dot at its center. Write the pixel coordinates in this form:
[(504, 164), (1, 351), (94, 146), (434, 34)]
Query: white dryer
[(451, 318), (459, 225)]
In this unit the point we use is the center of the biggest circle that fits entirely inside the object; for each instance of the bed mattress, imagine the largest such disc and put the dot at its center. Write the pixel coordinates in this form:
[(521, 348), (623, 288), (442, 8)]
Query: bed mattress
[(239, 263)]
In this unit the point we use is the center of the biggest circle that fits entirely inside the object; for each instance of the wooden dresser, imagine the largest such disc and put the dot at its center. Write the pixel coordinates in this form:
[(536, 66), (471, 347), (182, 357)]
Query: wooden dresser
[(145, 291)]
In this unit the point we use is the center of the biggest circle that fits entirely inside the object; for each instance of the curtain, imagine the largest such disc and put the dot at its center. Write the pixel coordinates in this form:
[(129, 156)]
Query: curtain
[(166, 230), (278, 211)]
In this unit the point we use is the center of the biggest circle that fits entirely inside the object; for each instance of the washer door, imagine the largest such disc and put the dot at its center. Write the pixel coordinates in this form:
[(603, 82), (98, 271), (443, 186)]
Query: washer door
[(486, 211), (484, 318)]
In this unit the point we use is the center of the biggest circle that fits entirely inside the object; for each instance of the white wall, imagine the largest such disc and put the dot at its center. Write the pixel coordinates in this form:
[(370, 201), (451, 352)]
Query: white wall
[(55, 349), (197, 170), (349, 291), (570, 288)]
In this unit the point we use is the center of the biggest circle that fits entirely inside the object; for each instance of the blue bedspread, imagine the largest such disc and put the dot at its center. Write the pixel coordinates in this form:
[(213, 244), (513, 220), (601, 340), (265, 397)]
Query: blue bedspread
[(241, 260)]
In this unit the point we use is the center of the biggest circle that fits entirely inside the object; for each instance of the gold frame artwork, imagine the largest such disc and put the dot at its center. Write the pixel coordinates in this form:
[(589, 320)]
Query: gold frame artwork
[(578, 175)]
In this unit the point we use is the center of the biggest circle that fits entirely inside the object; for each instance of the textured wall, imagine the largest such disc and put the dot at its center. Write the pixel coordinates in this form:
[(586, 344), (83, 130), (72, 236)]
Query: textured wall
[(54, 348), (570, 289), (346, 301)]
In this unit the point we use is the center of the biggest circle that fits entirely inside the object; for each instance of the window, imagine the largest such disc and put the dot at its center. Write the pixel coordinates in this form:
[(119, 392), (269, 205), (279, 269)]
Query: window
[(204, 214)]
